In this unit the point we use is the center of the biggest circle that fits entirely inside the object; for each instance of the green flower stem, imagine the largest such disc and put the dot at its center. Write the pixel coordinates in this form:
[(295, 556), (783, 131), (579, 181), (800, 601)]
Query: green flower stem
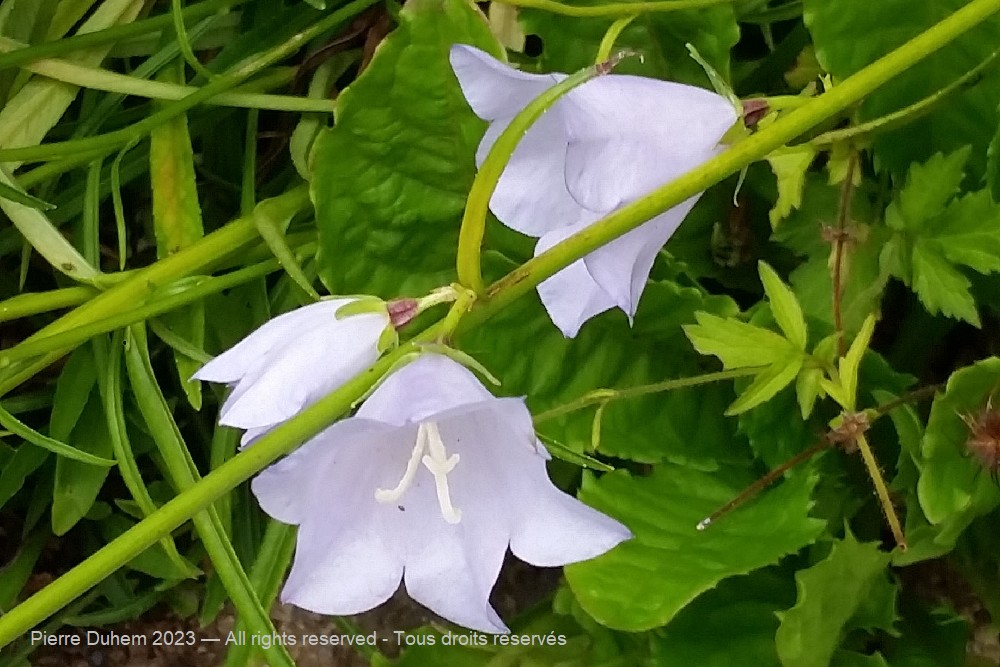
[(221, 83), (97, 78), (909, 113), (603, 396), (110, 35), (185, 505), (198, 257), (67, 340), (33, 303), (871, 463), (310, 421), (851, 91), (608, 41), (619, 9), (470, 236)]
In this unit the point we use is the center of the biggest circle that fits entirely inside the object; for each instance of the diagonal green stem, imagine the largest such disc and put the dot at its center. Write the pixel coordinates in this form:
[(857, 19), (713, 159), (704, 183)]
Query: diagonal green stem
[(615, 9), (603, 396), (851, 91), (310, 421)]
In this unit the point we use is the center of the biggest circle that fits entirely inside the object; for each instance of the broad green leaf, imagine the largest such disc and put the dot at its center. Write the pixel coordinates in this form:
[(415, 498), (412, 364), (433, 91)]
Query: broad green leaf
[(532, 358), (737, 344), (644, 582), (774, 433), (784, 306), (928, 638), (177, 224), (25, 461), (77, 484), (849, 34), (954, 488), (73, 388), (741, 610), (929, 187), (849, 589), (789, 165), (807, 389), (391, 177), (570, 43), (767, 383)]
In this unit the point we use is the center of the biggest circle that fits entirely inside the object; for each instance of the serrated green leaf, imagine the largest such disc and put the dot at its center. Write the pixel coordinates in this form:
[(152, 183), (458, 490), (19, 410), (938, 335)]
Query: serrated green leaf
[(953, 487), (789, 165), (849, 34), (644, 582), (784, 306), (940, 286), (737, 344), (388, 216), (929, 187), (767, 383), (969, 232), (847, 590)]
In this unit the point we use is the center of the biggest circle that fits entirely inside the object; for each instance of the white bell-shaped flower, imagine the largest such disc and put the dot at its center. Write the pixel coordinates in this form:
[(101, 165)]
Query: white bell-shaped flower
[(293, 360), (429, 482), (604, 144)]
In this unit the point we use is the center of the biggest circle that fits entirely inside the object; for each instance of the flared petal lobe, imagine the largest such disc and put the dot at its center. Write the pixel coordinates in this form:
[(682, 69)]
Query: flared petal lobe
[(375, 502)]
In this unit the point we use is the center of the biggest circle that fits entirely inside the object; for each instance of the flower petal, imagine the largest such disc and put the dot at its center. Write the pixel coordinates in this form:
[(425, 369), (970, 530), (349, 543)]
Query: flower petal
[(531, 195), (342, 564), (315, 362), (622, 267), (493, 88), (422, 390), (571, 296), (233, 364), (628, 135)]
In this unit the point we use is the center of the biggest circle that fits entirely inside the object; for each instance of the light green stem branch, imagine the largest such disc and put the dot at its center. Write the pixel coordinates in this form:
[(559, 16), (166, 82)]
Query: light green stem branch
[(618, 9), (97, 78), (310, 421), (851, 91), (33, 303), (602, 396), (909, 113), (110, 35), (885, 500)]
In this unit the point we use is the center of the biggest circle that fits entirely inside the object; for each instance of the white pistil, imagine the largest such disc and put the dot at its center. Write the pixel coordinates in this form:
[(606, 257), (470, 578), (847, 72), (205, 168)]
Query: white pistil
[(437, 462), (440, 464)]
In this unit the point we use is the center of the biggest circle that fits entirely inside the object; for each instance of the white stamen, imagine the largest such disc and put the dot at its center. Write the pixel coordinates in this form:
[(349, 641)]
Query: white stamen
[(440, 464), (384, 496), (437, 462)]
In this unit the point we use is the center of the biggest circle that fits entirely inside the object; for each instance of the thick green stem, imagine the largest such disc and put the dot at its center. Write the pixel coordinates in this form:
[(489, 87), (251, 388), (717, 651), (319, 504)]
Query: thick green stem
[(851, 91), (618, 9), (32, 303)]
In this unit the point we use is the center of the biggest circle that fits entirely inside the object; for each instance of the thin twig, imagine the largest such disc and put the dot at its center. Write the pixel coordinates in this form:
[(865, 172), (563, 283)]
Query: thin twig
[(846, 193)]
